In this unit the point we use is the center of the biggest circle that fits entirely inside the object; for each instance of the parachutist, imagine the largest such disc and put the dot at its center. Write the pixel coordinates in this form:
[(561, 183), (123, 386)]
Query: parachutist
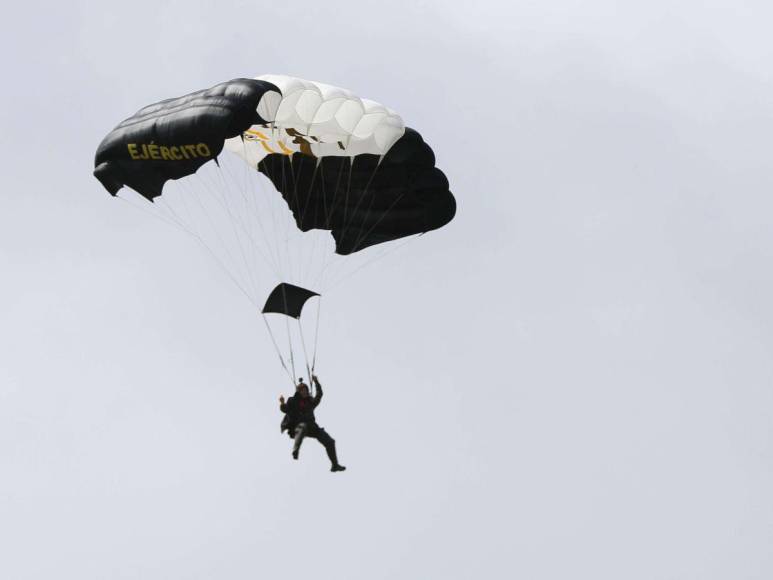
[(339, 163), (299, 421)]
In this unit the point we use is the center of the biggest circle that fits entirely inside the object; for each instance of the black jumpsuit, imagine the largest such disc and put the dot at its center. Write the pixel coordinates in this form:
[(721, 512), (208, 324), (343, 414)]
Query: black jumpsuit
[(300, 423)]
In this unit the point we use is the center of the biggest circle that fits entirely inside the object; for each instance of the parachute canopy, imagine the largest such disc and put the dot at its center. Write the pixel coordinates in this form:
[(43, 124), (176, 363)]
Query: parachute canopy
[(291, 160), (287, 299), (341, 163)]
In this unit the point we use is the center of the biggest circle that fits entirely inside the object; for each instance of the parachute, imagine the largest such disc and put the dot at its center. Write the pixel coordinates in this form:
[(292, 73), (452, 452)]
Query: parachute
[(305, 180)]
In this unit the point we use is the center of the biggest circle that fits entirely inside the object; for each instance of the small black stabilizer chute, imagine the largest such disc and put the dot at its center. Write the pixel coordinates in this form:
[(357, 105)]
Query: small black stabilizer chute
[(287, 299)]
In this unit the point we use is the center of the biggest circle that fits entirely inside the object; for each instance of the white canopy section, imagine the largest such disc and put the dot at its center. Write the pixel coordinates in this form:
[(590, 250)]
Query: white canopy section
[(318, 120)]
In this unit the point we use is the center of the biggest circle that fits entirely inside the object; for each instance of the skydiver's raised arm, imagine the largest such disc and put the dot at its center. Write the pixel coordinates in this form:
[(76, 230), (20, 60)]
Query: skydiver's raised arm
[(318, 385), (282, 404)]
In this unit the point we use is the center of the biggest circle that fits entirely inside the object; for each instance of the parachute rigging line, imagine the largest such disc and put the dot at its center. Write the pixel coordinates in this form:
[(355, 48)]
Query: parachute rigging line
[(278, 351), (316, 335)]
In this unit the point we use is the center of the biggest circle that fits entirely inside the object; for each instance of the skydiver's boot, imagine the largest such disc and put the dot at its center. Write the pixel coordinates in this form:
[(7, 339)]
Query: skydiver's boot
[(329, 444)]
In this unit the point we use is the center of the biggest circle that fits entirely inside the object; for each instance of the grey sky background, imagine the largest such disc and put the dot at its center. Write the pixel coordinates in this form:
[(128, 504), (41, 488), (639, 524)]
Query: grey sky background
[(572, 380)]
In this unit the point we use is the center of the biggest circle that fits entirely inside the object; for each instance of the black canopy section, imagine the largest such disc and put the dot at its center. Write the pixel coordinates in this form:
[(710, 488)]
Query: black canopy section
[(287, 299), (173, 138), (361, 201)]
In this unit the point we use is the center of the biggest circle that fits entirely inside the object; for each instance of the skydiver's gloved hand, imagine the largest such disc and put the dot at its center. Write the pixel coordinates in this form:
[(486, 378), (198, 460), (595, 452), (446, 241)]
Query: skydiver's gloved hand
[(281, 399)]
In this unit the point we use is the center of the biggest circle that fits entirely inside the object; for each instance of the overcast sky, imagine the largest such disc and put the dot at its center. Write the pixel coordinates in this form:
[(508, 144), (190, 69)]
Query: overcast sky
[(573, 380)]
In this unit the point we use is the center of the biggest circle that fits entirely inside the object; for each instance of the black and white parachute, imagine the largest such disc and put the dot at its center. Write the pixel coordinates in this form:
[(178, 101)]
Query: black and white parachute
[(335, 163)]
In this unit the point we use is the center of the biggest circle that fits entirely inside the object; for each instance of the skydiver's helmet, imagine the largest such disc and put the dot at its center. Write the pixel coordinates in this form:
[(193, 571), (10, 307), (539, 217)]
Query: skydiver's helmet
[(302, 385)]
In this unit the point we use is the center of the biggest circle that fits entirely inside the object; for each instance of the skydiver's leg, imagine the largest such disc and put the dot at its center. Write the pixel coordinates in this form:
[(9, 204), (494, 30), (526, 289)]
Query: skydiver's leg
[(330, 446), (300, 432)]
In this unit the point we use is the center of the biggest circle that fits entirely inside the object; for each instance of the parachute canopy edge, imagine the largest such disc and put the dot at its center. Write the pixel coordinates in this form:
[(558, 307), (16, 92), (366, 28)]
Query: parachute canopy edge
[(287, 299), (103, 174)]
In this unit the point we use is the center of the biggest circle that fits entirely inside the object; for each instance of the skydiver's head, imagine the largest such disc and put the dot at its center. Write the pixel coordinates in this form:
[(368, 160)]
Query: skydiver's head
[(302, 389)]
